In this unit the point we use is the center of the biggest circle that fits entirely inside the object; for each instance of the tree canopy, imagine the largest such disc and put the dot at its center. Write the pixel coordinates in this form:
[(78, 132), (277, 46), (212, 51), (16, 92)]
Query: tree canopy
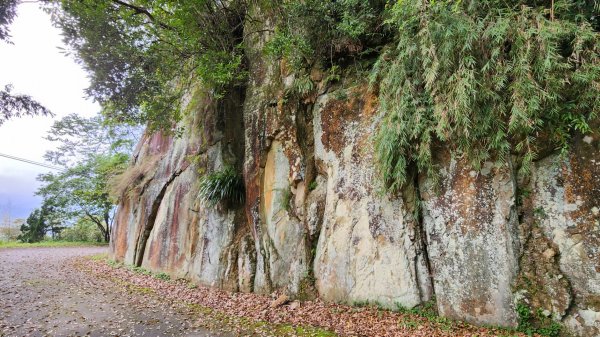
[(36, 226), (78, 138), (12, 105), (141, 54), (8, 11), (493, 80), (91, 152), (82, 191)]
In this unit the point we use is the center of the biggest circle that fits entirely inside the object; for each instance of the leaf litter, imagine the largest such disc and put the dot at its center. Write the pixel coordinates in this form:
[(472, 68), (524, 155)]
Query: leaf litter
[(250, 314)]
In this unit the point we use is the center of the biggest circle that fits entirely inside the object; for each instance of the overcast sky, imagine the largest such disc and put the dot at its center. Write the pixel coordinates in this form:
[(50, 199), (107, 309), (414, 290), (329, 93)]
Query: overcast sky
[(36, 67)]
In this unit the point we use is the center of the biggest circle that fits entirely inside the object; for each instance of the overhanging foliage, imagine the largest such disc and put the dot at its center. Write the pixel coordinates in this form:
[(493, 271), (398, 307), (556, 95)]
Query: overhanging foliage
[(140, 54), (489, 79)]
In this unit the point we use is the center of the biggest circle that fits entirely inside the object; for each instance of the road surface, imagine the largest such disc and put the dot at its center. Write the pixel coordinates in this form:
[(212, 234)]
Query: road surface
[(42, 294)]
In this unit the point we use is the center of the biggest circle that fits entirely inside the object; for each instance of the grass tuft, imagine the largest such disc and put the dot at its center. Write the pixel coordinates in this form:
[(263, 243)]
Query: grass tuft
[(225, 185)]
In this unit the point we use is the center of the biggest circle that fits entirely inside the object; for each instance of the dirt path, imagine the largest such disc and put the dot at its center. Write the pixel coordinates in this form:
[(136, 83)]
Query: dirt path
[(42, 294)]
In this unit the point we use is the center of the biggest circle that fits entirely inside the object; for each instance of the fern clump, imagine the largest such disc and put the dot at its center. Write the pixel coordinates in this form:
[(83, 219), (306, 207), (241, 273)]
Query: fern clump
[(491, 79), (225, 185)]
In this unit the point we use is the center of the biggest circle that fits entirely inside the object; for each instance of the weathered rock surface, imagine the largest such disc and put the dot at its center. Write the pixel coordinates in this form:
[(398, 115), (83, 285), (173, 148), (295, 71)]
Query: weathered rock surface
[(368, 248), (315, 221), (471, 225), (166, 226), (566, 203)]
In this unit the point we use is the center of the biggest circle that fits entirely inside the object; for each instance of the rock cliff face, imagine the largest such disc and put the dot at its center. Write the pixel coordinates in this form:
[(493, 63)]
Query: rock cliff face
[(315, 221), (565, 199), (471, 224)]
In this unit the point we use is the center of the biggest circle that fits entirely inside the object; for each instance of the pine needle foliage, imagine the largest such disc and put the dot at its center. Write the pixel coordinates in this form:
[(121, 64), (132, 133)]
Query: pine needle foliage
[(225, 185), (489, 79)]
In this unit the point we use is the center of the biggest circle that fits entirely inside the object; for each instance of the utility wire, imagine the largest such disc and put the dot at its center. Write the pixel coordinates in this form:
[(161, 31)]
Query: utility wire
[(32, 162)]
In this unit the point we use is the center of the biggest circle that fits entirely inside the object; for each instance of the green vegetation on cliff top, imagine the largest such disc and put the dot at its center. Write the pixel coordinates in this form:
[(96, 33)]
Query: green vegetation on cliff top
[(493, 80)]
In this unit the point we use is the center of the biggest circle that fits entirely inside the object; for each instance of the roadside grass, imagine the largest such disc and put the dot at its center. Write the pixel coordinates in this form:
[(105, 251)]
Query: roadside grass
[(49, 243), (138, 270), (98, 257)]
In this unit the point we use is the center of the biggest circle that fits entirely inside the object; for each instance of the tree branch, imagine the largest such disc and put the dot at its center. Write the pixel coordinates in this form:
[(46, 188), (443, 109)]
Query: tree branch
[(144, 11), (97, 222)]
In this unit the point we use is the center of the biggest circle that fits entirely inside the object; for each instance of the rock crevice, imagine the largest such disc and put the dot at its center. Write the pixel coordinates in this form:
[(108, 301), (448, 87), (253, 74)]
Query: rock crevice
[(316, 223), (141, 242)]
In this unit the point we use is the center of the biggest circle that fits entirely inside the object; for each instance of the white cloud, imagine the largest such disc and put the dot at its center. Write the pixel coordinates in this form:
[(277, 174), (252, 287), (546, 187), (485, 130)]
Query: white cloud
[(35, 66)]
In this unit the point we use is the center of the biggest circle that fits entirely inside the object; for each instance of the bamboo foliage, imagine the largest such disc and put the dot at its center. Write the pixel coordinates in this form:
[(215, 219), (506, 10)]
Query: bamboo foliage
[(488, 79)]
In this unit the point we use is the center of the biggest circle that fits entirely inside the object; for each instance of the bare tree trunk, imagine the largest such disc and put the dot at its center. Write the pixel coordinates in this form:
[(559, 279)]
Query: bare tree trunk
[(107, 222), (103, 230)]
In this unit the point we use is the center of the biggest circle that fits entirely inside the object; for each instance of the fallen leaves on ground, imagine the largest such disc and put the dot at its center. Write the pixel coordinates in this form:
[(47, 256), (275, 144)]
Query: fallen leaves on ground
[(41, 294), (255, 309)]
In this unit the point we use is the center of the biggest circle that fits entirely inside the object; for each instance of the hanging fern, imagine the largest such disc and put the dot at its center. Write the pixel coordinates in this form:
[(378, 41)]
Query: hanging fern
[(489, 79), (225, 185)]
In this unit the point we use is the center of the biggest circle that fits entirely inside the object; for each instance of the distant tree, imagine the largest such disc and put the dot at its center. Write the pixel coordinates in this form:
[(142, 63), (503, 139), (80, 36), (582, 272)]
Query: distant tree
[(55, 219), (10, 229), (83, 230), (82, 190), (36, 226), (10, 233), (79, 138), (91, 152)]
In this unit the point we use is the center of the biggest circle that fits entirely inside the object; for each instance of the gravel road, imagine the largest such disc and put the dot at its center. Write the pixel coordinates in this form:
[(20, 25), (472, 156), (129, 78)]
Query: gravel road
[(42, 294)]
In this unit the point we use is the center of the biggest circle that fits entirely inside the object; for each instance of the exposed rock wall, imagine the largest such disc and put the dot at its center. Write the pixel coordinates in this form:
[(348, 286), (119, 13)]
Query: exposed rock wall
[(565, 202), (163, 225), (471, 223), (369, 247), (315, 221)]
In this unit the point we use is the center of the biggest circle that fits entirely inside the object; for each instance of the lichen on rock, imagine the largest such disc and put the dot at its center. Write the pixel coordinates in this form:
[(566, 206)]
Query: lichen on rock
[(316, 220)]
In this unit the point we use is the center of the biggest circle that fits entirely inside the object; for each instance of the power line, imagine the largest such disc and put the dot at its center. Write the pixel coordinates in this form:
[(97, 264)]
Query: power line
[(32, 162)]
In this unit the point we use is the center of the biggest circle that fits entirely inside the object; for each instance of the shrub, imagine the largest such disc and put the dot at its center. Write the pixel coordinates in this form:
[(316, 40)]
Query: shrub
[(225, 185), (140, 270), (162, 276), (317, 31), (82, 230), (531, 324), (128, 182), (286, 199)]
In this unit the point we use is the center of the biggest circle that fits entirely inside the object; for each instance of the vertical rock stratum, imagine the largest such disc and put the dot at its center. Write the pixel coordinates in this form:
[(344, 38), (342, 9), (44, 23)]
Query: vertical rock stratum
[(316, 222)]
